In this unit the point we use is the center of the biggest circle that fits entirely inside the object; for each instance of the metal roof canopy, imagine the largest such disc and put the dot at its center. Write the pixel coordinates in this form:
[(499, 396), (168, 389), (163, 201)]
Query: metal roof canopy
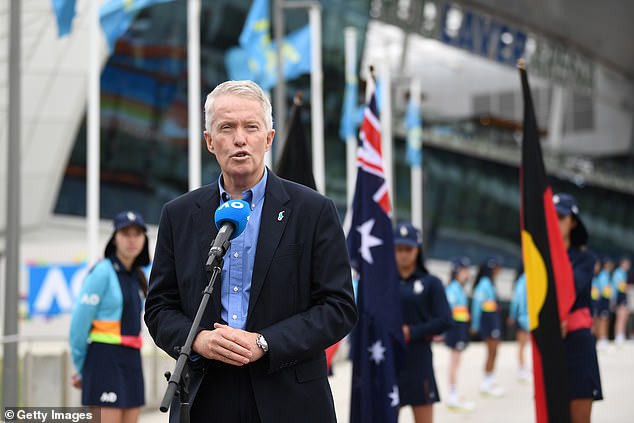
[(602, 31)]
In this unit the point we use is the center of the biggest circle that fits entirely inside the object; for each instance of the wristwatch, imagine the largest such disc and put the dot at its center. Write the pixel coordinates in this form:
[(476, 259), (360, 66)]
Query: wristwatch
[(261, 342)]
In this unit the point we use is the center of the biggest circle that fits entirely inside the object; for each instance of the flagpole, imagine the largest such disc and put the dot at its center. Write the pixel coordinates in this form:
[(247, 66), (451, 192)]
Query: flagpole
[(350, 37), (556, 121), (12, 228), (280, 87), (268, 156), (386, 131), (416, 172), (193, 92), (93, 143), (317, 100)]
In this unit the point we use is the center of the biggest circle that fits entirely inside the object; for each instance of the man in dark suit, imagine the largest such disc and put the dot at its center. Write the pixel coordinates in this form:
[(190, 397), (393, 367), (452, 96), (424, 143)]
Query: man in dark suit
[(285, 292)]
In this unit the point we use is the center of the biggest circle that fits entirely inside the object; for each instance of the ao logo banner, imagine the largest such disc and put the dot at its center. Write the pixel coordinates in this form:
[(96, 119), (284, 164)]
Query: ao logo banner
[(53, 288)]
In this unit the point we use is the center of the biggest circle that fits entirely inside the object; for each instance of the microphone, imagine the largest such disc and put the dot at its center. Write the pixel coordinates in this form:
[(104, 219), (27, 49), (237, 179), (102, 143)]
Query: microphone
[(231, 219)]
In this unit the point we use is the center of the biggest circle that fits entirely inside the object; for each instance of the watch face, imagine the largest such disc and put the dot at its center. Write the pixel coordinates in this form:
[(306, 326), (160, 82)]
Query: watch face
[(262, 343)]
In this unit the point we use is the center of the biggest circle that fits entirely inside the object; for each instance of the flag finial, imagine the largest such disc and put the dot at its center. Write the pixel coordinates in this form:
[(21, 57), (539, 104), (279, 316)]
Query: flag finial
[(299, 98)]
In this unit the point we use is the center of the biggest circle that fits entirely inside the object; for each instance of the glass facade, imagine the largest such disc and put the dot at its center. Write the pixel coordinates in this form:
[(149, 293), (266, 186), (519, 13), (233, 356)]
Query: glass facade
[(471, 203), (144, 103)]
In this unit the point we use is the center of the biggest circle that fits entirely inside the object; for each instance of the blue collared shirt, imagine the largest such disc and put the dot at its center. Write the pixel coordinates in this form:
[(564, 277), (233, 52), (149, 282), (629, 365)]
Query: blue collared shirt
[(237, 270)]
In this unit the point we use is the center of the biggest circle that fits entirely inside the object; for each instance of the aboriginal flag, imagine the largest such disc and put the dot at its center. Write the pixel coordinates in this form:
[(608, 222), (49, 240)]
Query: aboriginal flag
[(549, 278)]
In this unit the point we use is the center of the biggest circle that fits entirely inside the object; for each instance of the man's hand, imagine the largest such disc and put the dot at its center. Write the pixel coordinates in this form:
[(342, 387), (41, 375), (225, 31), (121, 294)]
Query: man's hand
[(232, 346)]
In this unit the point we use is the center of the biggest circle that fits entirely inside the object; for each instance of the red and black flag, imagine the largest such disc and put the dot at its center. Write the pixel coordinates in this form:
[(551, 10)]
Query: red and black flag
[(549, 278), (295, 162)]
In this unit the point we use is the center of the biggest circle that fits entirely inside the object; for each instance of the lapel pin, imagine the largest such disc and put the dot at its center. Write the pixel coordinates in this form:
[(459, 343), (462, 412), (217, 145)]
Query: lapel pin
[(280, 216)]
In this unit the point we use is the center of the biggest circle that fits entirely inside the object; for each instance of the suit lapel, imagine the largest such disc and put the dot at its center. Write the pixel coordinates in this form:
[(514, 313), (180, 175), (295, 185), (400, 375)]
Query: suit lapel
[(275, 213), (203, 221)]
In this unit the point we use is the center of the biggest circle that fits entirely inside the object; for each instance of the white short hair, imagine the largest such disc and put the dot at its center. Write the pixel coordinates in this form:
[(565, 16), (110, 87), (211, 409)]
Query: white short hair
[(247, 89)]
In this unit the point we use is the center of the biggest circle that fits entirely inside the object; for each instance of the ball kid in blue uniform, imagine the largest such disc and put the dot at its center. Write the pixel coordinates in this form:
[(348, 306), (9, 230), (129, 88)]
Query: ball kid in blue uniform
[(619, 287), (425, 315), (518, 316), (105, 330), (486, 321), (584, 382), (594, 293), (457, 337), (604, 285)]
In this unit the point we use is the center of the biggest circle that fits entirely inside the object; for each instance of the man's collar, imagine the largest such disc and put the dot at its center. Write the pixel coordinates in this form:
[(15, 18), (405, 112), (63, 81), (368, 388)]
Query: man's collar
[(258, 190)]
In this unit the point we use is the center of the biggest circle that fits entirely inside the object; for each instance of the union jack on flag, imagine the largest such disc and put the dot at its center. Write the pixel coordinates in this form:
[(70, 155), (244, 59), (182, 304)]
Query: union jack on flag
[(377, 340)]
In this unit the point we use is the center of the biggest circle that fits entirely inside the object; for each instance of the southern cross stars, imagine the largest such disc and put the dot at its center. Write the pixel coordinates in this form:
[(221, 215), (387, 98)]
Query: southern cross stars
[(368, 240), (377, 352), (394, 396)]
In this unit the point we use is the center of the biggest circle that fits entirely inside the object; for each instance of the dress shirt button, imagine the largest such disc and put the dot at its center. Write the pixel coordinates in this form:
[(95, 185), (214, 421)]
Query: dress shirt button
[(234, 317), (236, 255), (235, 289)]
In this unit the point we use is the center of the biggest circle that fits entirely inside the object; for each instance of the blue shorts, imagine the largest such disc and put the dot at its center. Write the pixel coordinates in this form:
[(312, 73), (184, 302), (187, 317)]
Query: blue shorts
[(621, 298), (457, 337), (416, 380), (490, 325), (584, 381), (603, 307), (112, 377)]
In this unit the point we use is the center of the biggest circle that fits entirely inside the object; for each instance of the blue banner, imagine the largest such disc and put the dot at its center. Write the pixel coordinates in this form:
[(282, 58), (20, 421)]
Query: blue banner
[(256, 57), (116, 16), (257, 27), (64, 12), (414, 128), (352, 114), (53, 288)]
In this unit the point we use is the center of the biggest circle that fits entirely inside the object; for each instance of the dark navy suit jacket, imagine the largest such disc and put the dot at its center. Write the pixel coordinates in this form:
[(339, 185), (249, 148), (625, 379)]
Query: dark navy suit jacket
[(301, 294)]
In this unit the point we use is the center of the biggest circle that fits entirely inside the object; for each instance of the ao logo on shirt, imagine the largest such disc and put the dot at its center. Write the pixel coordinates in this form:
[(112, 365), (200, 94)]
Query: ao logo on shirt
[(92, 299), (110, 397)]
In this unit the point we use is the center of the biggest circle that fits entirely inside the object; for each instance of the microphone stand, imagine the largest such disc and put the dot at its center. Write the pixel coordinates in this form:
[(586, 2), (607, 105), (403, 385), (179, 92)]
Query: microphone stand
[(178, 381)]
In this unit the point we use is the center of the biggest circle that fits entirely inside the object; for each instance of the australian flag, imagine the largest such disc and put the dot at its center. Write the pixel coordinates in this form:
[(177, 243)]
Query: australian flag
[(378, 339)]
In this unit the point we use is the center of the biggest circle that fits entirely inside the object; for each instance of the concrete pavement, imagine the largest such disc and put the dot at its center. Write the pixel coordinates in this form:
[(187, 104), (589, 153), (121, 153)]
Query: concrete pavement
[(617, 374)]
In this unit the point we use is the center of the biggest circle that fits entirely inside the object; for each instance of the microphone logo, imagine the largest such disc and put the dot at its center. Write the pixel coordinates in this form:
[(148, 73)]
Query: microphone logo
[(234, 204), (233, 212)]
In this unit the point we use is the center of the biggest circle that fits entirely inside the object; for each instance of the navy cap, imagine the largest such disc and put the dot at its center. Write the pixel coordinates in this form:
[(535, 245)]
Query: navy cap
[(566, 205), (607, 258), (460, 262), (406, 234), (121, 221), (128, 218), (492, 262)]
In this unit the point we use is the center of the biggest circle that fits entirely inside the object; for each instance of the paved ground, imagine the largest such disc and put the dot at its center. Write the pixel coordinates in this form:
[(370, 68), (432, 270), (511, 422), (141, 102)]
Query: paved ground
[(617, 372)]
